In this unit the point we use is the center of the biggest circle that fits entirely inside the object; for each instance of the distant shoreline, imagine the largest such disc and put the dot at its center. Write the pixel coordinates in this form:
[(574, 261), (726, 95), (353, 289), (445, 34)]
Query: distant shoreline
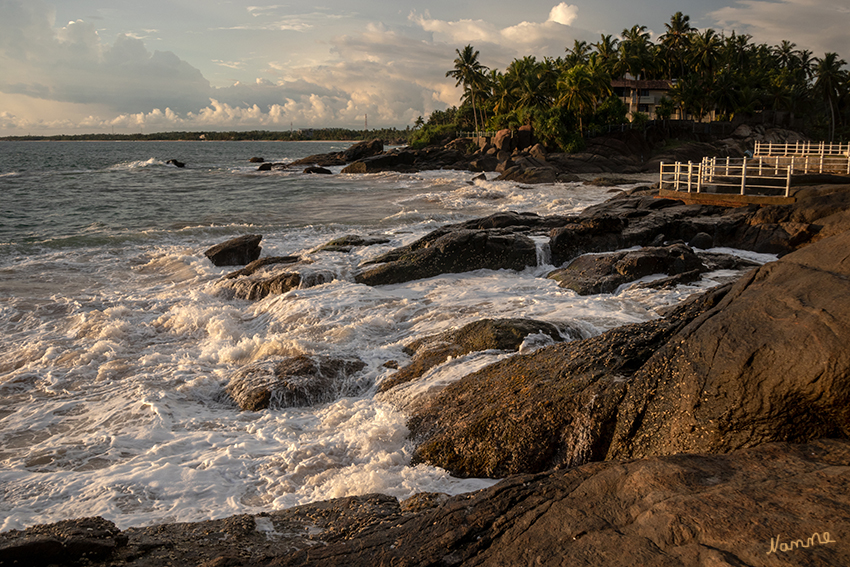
[(308, 135)]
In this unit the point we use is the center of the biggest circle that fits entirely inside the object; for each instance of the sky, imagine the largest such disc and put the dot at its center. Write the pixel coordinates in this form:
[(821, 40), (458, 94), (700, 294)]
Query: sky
[(98, 66)]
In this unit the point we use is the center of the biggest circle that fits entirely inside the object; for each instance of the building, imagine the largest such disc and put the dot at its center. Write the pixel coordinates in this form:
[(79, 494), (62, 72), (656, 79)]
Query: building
[(641, 95)]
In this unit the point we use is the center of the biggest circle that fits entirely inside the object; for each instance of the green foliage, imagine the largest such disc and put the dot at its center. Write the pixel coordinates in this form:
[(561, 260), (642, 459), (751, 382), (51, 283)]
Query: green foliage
[(611, 111), (431, 134), (639, 119), (665, 108)]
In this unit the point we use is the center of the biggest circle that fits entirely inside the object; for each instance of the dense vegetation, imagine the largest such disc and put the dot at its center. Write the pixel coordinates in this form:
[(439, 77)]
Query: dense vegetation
[(712, 76)]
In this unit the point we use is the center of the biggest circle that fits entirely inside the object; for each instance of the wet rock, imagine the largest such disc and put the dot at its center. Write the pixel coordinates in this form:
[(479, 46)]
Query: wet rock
[(604, 273), (701, 240), (452, 251), (349, 242), (294, 382), (237, 251), (176, 163), (486, 334), (260, 263), (63, 543), (769, 363), (255, 289), (256, 160), (318, 170), (554, 407), (530, 175)]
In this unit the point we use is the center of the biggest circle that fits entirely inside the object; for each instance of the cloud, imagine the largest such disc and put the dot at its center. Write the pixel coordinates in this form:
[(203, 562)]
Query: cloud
[(564, 14), (817, 25)]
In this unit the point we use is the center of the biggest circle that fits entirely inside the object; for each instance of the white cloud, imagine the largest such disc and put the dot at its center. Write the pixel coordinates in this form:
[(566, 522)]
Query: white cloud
[(564, 14), (816, 25)]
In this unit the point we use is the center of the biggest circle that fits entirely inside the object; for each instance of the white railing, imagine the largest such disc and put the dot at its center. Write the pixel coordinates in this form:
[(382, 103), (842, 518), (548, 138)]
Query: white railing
[(800, 149)]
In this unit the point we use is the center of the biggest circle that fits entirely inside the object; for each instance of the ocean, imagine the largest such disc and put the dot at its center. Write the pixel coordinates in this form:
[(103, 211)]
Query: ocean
[(117, 340)]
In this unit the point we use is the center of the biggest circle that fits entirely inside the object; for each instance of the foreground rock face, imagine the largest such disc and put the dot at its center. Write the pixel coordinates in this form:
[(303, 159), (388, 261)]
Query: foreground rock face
[(778, 504), (237, 251), (763, 361), (554, 407)]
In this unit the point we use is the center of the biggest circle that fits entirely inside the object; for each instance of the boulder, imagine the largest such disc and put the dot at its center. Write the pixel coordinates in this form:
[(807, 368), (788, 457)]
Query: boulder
[(530, 175), (363, 149), (503, 141), (256, 160), (486, 334), (524, 137), (604, 273), (237, 251), (294, 382), (555, 407), (484, 163), (176, 163), (349, 242), (255, 289), (452, 251), (318, 170), (63, 543), (261, 263)]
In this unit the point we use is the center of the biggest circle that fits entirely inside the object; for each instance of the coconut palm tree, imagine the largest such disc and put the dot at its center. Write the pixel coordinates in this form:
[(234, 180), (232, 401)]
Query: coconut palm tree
[(829, 79), (470, 73), (575, 88), (578, 54), (705, 52), (677, 40), (607, 49)]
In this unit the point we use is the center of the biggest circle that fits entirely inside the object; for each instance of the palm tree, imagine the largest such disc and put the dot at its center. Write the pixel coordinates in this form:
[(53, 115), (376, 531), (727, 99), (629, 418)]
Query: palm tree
[(829, 79), (576, 91), (785, 54), (677, 40), (578, 54), (607, 49), (471, 74), (705, 52)]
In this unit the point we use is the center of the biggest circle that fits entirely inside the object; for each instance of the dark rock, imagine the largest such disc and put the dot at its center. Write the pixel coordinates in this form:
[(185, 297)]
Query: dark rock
[(256, 160), (265, 167), (486, 334), (531, 175), (294, 382), (769, 363), (237, 251), (503, 141), (176, 163), (702, 240), (363, 149), (484, 163), (255, 289), (268, 166), (452, 251), (604, 273), (554, 407), (349, 242), (63, 543), (318, 170), (260, 263)]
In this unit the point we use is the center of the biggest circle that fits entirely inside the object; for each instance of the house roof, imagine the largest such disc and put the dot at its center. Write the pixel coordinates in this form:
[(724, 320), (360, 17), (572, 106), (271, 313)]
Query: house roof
[(643, 84)]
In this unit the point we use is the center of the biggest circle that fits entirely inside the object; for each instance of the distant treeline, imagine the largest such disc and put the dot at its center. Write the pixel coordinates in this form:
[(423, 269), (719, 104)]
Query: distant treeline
[(388, 135)]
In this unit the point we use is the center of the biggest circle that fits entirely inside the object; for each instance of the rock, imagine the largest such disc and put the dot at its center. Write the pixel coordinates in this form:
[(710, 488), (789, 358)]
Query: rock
[(555, 407), (531, 175), (294, 382), (176, 163), (256, 160), (503, 141), (265, 167), (318, 170), (742, 131), (256, 265), (452, 251), (63, 543), (237, 251), (604, 273), (484, 163), (769, 363), (255, 289), (363, 149), (524, 137), (702, 240), (349, 242), (486, 334)]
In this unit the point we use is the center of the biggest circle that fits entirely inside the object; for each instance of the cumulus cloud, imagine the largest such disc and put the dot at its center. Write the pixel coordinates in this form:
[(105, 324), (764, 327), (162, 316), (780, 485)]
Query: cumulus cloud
[(817, 25), (564, 14)]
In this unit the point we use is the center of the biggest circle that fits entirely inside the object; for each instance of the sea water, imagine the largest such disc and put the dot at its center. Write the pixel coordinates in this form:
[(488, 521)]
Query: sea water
[(116, 341)]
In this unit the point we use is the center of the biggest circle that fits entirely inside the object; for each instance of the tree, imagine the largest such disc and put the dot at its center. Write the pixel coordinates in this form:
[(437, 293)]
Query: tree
[(607, 50), (578, 55), (705, 52), (576, 91), (829, 79), (677, 40), (471, 74)]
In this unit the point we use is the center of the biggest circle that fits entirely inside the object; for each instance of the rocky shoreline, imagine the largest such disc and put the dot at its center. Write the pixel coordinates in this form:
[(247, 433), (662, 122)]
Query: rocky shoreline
[(718, 434)]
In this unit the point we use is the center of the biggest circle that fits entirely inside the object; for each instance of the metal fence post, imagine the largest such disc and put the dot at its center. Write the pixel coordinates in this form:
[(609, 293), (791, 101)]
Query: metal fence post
[(690, 169), (676, 172), (699, 174), (744, 177), (661, 176)]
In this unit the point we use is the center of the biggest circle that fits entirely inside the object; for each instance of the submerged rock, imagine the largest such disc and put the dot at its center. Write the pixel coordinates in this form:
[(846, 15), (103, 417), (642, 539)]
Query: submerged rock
[(294, 382), (237, 251), (349, 242), (257, 288)]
